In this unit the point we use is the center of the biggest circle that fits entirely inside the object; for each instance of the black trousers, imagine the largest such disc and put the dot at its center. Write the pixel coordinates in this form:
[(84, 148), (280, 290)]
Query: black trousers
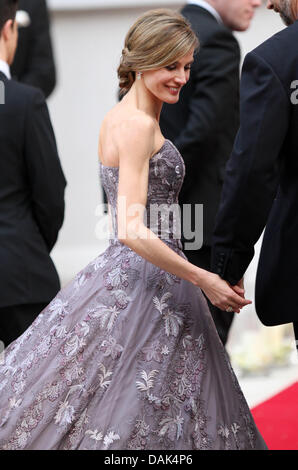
[(223, 320), (14, 320)]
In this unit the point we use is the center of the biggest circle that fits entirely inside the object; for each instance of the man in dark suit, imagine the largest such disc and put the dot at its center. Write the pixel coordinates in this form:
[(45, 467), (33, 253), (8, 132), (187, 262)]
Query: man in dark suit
[(31, 194), (34, 62), (204, 123), (261, 184)]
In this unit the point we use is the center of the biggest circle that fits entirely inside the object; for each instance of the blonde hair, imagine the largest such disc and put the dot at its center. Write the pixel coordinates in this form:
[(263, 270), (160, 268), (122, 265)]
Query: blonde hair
[(158, 38)]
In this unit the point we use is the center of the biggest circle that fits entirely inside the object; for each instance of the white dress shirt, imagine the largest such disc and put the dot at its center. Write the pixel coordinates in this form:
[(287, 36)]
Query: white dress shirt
[(208, 7), (4, 67)]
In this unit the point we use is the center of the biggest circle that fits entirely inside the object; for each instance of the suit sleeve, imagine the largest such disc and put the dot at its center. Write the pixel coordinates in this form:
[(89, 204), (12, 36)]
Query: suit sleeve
[(213, 76), (40, 70), (45, 175), (252, 173)]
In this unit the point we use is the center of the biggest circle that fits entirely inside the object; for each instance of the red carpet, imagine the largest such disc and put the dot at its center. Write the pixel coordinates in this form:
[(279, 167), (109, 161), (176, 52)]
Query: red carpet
[(277, 419)]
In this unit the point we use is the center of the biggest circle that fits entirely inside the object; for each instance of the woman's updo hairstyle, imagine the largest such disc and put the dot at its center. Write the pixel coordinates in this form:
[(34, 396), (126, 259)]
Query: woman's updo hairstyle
[(157, 39)]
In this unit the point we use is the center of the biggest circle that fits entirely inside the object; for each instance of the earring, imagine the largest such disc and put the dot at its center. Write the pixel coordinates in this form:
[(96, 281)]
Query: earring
[(139, 75)]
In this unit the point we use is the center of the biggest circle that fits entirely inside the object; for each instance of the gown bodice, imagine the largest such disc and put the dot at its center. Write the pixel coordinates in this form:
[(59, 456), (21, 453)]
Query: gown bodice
[(162, 214)]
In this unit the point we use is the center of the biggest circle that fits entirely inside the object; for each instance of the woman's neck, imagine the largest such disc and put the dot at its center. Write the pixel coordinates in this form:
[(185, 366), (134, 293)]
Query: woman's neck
[(144, 100)]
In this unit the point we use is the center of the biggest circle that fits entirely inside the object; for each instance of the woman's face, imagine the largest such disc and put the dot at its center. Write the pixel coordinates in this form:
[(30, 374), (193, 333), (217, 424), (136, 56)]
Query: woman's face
[(165, 83)]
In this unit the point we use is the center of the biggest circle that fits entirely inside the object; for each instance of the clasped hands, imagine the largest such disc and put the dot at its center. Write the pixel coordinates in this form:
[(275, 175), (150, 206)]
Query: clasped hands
[(223, 295), (240, 290)]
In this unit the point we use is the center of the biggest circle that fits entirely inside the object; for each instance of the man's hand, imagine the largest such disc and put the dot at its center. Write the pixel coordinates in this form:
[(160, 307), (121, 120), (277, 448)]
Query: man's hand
[(239, 288)]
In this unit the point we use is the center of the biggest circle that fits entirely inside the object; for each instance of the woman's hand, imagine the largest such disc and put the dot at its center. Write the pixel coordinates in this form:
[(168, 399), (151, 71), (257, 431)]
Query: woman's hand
[(221, 295)]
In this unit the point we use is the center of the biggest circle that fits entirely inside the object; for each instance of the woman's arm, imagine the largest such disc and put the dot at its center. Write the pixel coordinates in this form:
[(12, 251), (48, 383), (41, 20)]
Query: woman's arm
[(135, 145)]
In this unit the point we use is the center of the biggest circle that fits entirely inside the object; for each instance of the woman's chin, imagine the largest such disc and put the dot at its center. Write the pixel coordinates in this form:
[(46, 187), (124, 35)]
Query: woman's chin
[(171, 99)]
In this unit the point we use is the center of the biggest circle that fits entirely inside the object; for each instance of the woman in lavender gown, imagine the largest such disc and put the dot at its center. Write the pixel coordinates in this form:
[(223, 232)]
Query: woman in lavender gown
[(127, 356)]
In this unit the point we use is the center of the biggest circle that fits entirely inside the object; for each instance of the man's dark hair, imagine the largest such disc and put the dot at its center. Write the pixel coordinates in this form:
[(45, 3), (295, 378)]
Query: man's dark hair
[(8, 9)]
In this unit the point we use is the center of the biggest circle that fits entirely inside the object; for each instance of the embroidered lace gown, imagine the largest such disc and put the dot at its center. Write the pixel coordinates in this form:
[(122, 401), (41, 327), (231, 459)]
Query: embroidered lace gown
[(126, 356)]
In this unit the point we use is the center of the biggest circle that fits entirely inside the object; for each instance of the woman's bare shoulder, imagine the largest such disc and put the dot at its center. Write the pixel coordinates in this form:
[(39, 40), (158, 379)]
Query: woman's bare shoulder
[(138, 121), (136, 132), (130, 132)]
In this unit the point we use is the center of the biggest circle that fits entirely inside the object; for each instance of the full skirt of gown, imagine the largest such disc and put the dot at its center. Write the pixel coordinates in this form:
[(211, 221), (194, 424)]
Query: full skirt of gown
[(126, 356)]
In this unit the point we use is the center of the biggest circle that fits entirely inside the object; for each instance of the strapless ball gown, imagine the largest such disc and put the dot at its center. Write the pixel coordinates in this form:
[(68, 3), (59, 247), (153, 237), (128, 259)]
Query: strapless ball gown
[(126, 356)]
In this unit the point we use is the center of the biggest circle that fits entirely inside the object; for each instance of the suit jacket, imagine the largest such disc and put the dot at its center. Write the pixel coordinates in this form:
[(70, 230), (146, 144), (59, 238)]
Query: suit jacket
[(34, 63), (31, 197), (261, 185), (204, 123)]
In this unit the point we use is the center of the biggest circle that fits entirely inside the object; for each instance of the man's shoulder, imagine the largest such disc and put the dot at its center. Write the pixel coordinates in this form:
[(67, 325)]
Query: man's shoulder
[(20, 95), (204, 23), (279, 47)]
